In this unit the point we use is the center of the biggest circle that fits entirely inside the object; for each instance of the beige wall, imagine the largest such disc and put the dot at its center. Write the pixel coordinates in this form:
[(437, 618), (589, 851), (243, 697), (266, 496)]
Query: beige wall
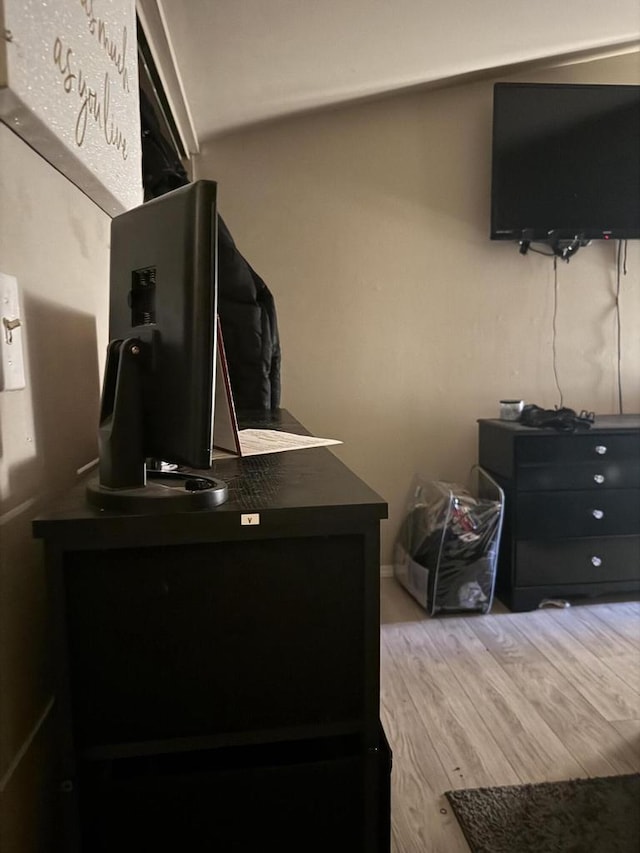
[(401, 322), (55, 241)]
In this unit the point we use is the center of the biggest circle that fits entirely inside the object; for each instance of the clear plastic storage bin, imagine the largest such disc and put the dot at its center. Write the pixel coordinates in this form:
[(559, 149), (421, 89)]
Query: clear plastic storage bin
[(446, 551)]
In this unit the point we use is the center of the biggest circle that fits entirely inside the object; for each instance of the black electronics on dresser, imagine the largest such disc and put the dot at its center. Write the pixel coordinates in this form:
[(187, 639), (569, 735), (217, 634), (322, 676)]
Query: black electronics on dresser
[(572, 508)]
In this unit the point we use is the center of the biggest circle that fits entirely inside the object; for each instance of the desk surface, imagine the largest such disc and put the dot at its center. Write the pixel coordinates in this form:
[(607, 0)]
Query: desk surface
[(288, 488)]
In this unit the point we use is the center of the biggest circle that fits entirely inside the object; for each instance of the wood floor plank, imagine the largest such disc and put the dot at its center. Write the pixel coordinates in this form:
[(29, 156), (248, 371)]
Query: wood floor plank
[(627, 667), (399, 711), (612, 697), (505, 643), (597, 635), (452, 636), (467, 749), (632, 607), (418, 832), (630, 730), (593, 741), (422, 820), (622, 619), (456, 691), (534, 750)]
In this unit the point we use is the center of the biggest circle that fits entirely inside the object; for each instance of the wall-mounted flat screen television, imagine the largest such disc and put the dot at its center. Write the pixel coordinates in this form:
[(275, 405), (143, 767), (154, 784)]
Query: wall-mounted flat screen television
[(565, 162)]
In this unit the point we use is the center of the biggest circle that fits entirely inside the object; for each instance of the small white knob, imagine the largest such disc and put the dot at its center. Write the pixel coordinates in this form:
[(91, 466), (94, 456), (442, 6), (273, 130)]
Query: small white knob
[(598, 478), (597, 513), (600, 449), (596, 561)]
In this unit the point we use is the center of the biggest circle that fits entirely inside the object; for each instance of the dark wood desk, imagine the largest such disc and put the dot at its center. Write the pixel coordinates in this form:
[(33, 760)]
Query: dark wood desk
[(218, 679)]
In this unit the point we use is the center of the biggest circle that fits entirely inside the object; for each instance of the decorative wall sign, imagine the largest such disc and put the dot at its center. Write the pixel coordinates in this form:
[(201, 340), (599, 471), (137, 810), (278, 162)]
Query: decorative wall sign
[(69, 88)]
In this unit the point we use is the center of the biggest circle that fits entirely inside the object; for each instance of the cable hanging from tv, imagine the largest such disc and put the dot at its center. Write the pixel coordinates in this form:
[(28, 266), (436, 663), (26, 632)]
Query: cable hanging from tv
[(560, 248)]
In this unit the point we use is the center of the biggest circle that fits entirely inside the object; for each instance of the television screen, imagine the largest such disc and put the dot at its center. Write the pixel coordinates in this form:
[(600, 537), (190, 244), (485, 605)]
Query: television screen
[(565, 162), (159, 386)]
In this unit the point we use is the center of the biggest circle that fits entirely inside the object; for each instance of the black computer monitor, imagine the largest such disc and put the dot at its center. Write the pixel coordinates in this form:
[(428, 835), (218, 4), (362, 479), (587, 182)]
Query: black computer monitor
[(159, 385)]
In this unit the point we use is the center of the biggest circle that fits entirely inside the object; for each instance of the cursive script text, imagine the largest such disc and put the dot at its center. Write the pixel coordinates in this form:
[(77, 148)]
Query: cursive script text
[(94, 104), (115, 50)]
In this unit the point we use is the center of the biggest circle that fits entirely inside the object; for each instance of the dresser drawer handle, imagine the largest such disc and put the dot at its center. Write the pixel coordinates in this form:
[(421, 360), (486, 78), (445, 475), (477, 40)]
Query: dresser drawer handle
[(596, 561), (598, 478), (600, 449), (597, 513)]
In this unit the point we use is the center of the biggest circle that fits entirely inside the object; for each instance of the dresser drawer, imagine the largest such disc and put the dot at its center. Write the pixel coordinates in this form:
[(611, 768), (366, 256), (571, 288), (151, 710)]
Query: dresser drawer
[(584, 447), (602, 474), (556, 515), (577, 561)]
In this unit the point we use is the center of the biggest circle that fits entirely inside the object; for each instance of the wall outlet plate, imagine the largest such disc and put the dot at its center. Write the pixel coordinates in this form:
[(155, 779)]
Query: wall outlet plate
[(11, 348)]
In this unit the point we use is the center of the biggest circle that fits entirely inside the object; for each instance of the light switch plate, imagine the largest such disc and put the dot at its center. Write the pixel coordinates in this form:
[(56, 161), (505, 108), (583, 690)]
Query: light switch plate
[(11, 349)]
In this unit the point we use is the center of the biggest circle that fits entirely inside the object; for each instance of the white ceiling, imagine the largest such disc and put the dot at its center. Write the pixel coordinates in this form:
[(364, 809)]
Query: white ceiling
[(237, 62)]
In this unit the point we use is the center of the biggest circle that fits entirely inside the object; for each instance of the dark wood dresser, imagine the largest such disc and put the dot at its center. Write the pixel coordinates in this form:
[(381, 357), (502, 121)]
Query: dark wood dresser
[(572, 508), (218, 670)]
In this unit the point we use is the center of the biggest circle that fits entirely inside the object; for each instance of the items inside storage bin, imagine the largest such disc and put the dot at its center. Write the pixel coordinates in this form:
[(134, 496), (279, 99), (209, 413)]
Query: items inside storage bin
[(446, 551)]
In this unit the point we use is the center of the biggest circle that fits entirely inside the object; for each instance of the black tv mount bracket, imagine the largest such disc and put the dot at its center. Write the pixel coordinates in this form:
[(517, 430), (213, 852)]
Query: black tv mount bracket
[(561, 248)]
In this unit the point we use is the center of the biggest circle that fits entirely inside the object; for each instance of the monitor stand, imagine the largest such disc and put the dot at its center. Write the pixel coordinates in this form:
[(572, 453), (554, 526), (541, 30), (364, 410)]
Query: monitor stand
[(124, 482), (162, 495)]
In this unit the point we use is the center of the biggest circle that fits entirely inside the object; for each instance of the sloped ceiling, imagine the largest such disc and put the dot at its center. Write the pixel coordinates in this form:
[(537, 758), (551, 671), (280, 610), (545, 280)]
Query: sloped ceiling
[(239, 62)]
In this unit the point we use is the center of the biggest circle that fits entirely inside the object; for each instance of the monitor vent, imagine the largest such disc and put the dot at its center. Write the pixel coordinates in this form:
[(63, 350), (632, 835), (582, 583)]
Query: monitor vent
[(142, 297)]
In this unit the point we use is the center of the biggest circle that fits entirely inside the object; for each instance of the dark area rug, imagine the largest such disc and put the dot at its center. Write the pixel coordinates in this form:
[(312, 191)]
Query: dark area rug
[(599, 815)]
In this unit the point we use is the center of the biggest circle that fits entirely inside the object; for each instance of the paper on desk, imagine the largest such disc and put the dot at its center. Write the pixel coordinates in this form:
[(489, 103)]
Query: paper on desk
[(256, 441)]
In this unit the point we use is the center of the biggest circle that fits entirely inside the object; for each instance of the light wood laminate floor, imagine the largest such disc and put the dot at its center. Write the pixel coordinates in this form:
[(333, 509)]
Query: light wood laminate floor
[(500, 699)]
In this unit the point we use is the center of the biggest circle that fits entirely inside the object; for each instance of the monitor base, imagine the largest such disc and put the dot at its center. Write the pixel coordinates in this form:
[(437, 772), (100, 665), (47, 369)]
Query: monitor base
[(163, 495)]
